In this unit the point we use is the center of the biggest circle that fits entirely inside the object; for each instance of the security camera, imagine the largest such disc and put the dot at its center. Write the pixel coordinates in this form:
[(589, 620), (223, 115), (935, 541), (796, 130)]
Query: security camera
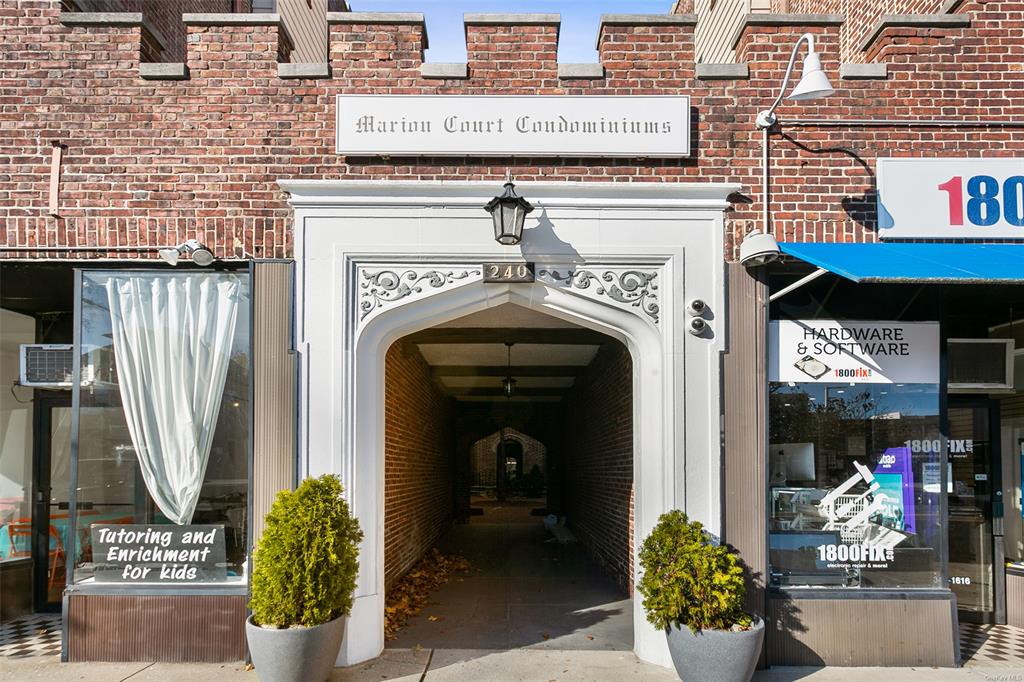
[(696, 307), (697, 326)]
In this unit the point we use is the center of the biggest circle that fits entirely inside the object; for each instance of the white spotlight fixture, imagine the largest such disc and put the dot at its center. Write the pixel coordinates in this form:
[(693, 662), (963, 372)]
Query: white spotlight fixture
[(814, 84), (758, 248), (201, 255)]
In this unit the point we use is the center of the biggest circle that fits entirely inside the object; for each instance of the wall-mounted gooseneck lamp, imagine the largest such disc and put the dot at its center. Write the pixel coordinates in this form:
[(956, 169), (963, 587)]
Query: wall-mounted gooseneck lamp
[(760, 246), (508, 211)]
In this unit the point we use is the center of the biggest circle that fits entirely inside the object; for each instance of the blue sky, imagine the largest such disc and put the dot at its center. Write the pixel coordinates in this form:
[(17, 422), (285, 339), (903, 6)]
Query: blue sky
[(576, 40)]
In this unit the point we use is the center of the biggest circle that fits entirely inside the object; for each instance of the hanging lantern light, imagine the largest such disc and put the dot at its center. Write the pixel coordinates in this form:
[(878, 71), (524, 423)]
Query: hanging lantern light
[(508, 212), (508, 384)]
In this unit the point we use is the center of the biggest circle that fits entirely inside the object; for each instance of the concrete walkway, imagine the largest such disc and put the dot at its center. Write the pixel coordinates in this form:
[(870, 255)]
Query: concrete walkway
[(523, 665), (523, 591)]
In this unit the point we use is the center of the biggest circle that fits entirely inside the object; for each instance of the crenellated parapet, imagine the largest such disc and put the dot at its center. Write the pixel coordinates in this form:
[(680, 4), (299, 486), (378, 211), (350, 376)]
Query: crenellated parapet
[(157, 152)]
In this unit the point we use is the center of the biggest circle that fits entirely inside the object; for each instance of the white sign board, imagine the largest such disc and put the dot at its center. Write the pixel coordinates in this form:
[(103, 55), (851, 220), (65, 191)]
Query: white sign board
[(835, 351), (541, 125), (951, 198)]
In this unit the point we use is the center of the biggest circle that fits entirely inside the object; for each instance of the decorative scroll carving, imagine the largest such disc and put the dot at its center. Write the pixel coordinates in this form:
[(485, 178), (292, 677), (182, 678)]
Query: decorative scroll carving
[(381, 287), (634, 288)]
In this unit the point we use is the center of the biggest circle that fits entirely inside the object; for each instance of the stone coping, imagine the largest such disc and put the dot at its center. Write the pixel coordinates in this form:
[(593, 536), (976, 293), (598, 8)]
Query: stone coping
[(580, 71), (163, 71), (101, 18), (444, 70), (644, 19), (785, 20), (299, 70), (912, 21), (713, 72), (511, 19), (856, 71), (375, 18), (229, 19)]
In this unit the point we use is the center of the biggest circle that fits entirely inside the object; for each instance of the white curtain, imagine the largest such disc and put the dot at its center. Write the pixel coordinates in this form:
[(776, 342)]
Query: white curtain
[(172, 342)]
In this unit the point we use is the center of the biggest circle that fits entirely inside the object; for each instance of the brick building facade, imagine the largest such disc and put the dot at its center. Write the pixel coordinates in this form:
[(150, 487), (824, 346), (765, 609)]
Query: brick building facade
[(151, 162)]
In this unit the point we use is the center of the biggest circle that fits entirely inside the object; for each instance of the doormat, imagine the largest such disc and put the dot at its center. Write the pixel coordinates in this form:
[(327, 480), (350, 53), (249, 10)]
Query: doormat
[(37, 635)]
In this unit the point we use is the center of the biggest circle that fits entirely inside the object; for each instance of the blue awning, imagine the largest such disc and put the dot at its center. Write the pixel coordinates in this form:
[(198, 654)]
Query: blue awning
[(911, 262)]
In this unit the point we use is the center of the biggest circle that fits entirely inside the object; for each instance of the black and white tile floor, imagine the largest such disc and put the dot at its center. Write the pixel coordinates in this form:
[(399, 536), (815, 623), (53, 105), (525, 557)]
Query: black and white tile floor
[(991, 645), (36, 635)]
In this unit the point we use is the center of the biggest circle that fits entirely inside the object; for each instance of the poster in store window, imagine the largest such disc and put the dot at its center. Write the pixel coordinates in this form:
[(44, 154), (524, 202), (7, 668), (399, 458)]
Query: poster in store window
[(838, 351)]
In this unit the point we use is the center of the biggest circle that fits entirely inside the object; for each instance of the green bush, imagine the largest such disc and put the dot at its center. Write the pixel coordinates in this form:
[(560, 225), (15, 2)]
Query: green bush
[(689, 581), (304, 570)]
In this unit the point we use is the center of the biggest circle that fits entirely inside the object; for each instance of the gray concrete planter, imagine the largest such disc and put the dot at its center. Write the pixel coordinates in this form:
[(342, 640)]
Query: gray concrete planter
[(715, 655), (295, 654)]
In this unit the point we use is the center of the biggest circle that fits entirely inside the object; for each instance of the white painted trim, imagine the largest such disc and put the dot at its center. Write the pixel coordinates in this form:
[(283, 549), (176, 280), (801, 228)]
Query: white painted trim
[(318, 193), (345, 228)]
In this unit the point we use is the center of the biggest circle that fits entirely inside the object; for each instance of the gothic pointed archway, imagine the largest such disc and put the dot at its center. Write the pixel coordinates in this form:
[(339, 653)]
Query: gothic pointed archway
[(378, 263)]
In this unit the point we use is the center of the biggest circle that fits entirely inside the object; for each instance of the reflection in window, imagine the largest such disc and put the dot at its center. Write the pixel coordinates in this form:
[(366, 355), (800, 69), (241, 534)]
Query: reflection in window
[(188, 416), (854, 485)]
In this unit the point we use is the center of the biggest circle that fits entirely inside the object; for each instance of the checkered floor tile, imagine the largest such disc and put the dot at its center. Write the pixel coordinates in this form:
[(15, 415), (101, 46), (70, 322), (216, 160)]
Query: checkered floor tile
[(991, 645), (37, 635)]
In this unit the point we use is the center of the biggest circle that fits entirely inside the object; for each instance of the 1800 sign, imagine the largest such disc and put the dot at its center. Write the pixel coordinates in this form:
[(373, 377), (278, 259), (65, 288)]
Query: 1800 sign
[(508, 272)]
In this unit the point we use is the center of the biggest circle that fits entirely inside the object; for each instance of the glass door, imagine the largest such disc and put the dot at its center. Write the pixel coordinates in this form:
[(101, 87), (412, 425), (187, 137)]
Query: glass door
[(974, 513), (52, 488)]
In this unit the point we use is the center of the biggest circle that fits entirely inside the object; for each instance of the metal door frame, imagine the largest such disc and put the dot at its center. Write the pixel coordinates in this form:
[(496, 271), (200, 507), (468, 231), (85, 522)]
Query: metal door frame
[(43, 403), (995, 506)]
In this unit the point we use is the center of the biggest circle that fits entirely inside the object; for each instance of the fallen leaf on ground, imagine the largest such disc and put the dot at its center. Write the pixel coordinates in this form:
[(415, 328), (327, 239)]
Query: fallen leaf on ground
[(434, 619), (411, 594), (249, 667)]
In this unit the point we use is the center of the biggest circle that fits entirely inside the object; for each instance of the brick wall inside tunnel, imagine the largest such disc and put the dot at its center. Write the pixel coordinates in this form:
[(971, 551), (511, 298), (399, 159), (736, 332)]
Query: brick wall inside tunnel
[(599, 461), (418, 461)]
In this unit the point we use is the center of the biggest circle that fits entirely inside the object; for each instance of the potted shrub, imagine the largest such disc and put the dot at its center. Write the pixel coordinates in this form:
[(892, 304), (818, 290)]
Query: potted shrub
[(304, 573), (693, 589)]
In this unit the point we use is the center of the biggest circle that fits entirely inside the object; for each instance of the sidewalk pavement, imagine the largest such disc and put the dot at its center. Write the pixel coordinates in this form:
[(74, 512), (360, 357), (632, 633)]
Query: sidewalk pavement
[(523, 665)]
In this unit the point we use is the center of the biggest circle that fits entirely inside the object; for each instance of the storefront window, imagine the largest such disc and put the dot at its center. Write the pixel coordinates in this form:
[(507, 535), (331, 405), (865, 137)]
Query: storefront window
[(16, 440), (854, 468), (163, 427)]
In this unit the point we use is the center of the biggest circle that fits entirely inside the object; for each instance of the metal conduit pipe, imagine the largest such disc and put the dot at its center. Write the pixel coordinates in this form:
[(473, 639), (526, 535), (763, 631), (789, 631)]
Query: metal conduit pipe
[(902, 123), (80, 248)]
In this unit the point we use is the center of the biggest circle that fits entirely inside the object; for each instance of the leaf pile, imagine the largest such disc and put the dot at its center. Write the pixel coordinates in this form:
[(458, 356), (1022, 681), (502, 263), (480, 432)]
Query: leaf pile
[(410, 594)]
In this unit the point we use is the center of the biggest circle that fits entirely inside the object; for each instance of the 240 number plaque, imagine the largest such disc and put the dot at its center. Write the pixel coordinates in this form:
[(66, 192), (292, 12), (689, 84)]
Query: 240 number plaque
[(508, 272)]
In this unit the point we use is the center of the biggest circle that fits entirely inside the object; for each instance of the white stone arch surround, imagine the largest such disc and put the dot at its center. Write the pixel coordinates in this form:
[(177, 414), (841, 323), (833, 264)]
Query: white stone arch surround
[(620, 258)]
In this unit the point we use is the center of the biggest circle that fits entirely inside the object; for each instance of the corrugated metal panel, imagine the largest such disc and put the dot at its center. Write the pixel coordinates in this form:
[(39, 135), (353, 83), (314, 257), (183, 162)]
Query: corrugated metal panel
[(716, 23), (172, 628), (306, 23), (274, 400), (861, 632), (1015, 600), (745, 471)]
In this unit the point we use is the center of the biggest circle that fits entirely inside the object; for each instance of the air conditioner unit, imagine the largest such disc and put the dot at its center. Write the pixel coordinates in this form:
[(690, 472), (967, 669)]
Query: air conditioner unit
[(50, 365), (980, 365)]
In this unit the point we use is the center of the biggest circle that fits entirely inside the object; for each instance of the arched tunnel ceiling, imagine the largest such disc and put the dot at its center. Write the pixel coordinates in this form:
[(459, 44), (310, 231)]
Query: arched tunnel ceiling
[(468, 356)]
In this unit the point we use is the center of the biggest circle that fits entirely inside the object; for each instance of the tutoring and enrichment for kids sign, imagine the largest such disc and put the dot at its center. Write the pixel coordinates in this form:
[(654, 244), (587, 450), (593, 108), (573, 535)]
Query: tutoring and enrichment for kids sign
[(158, 553), (828, 351)]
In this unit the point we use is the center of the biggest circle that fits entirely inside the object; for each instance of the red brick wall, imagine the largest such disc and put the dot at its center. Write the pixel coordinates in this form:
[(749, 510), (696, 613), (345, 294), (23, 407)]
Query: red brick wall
[(599, 461), (418, 460), (165, 17), (159, 162), (861, 17)]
